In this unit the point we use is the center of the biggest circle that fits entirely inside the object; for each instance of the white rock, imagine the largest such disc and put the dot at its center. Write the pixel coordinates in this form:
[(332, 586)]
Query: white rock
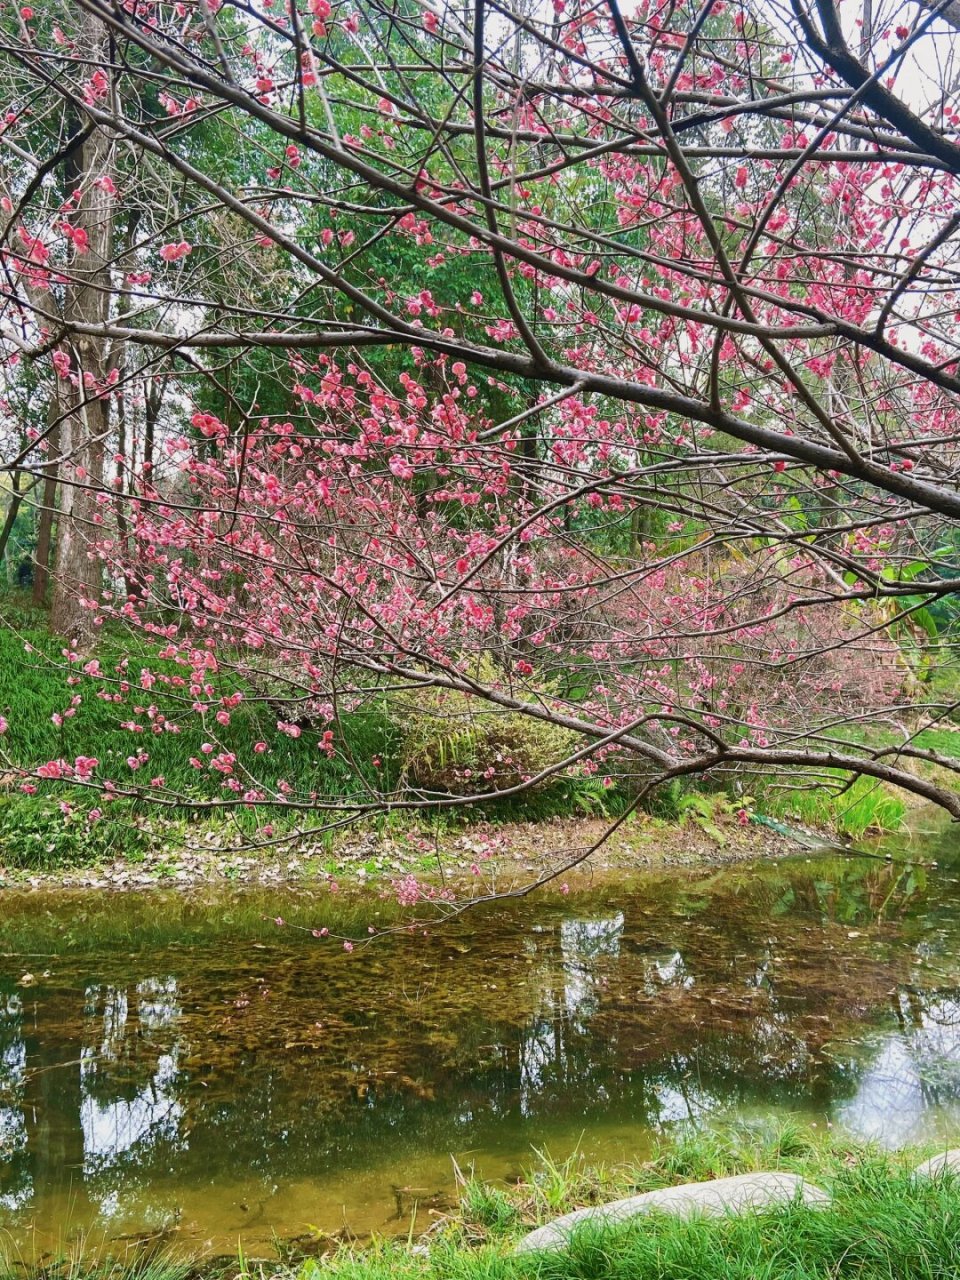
[(946, 1162), (747, 1191)]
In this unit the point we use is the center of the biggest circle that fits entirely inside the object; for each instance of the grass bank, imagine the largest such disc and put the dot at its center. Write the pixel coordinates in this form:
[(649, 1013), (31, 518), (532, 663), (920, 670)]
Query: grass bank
[(883, 1224)]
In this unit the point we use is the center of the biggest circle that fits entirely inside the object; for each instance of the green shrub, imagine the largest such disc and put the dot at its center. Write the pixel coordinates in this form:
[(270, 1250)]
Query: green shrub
[(453, 743)]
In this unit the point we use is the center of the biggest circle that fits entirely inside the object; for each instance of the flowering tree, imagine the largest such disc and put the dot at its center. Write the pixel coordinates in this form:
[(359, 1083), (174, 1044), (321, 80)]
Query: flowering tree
[(594, 366)]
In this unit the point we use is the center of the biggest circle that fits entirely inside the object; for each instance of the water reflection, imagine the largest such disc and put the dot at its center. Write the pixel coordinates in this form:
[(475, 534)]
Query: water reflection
[(909, 1083), (247, 1084)]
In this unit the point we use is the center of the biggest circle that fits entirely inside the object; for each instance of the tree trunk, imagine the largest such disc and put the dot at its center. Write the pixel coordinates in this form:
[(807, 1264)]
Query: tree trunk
[(16, 499), (85, 406), (48, 504)]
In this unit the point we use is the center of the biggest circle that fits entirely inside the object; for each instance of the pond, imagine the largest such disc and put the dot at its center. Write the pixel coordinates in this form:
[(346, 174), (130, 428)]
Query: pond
[(177, 1065)]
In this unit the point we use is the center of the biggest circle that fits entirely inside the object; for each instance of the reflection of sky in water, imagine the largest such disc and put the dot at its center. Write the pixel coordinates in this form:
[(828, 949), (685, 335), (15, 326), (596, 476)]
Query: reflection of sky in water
[(13, 1127), (668, 971), (909, 1086), (677, 1106), (13, 1141), (111, 1128), (583, 944), (154, 1113)]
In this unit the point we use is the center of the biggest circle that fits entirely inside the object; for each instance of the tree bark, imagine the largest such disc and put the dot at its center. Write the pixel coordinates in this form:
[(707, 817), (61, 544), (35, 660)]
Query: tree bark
[(42, 555), (85, 404)]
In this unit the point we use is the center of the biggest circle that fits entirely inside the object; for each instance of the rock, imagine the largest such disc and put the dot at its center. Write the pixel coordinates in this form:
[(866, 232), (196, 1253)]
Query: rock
[(946, 1162), (748, 1191)]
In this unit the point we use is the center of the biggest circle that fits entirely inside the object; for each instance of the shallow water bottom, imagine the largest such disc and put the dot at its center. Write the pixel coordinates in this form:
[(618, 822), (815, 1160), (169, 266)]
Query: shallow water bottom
[(183, 1070)]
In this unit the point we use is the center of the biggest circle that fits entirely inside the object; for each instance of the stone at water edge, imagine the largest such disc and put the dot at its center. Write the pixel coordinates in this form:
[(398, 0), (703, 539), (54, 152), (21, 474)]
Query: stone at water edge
[(945, 1162), (744, 1193)]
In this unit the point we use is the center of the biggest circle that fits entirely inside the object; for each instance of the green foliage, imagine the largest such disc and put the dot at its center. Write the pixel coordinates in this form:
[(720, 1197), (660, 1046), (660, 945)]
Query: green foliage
[(453, 743), (697, 1155), (37, 835), (704, 810), (487, 1206)]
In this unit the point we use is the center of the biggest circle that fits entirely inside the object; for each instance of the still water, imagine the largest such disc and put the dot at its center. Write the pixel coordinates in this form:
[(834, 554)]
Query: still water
[(181, 1066)]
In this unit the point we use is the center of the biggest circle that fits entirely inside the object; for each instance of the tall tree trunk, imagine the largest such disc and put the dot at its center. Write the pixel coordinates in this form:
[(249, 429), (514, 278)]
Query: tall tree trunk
[(86, 408), (16, 499), (42, 555), (154, 399), (126, 442)]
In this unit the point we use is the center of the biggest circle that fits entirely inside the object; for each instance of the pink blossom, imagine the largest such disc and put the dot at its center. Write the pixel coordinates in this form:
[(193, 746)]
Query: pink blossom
[(97, 87), (401, 468), (77, 236), (174, 252)]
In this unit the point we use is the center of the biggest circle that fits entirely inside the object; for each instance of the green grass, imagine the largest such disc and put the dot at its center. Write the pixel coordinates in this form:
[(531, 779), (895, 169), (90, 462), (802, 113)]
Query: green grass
[(866, 806), (883, 1224), (33, 687), (73, 1264), (880, 1228), (34, 833)]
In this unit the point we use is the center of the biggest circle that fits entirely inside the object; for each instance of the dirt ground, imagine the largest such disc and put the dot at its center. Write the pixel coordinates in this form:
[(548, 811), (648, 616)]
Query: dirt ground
[(506, 851)]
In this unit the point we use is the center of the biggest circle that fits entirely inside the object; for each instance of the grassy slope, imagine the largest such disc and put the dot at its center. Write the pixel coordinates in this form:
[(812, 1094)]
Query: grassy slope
[(33, 689)]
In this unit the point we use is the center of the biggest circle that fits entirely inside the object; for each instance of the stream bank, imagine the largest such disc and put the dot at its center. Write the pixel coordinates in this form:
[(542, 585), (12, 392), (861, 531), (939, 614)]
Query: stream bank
[(485, 853)]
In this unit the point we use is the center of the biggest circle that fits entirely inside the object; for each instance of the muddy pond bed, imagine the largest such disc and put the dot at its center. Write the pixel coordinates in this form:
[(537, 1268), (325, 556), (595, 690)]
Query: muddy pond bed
[(175, 1065)]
